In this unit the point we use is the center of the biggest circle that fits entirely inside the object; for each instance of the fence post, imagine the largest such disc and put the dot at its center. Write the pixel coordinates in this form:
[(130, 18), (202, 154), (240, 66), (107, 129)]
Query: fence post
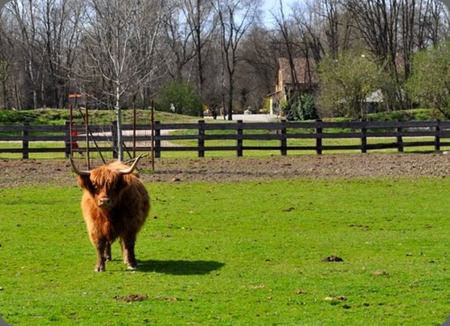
[(201, 138), (319, 138), (114, 139), (437, 139), (152, 145), (283, 138), (363, 139), (400, 139), (240, 133), (67, 139), (157, 139), (25, 141)]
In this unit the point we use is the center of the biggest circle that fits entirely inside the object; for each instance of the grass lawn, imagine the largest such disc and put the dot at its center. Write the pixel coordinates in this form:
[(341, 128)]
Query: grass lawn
[(249, 253), (292, 143)]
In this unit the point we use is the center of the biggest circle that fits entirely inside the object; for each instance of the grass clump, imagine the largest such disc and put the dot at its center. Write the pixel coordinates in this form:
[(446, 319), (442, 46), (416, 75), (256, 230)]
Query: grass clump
[(60, 116)]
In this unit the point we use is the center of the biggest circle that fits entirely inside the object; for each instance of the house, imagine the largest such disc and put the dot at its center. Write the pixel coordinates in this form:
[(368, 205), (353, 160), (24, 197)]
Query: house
[(303, 78)]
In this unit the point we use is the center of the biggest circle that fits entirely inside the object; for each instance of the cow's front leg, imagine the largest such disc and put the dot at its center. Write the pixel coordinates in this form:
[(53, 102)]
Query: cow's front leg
[(107, 253), (101, 245), (127, 245)]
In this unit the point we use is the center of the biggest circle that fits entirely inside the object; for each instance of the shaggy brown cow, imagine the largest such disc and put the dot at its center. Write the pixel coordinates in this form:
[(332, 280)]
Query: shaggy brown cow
[(115, 204)]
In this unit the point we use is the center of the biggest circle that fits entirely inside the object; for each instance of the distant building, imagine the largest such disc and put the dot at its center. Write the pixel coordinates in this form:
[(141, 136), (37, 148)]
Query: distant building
[(303, 78)]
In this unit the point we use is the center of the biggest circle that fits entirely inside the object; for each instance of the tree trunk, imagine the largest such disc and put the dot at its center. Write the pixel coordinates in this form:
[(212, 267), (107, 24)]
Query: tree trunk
[(119, 125), (230, 97)]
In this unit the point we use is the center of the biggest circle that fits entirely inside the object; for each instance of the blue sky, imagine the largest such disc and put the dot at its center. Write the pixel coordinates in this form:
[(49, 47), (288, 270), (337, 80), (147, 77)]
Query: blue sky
[(271, 4)]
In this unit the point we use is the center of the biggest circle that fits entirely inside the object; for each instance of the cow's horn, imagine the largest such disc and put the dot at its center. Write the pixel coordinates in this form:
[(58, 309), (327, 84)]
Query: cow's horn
[(75, 169), (131, 168)]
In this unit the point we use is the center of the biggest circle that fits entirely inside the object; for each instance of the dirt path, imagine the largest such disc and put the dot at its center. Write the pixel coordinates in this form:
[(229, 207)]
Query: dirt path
[(19, 173)]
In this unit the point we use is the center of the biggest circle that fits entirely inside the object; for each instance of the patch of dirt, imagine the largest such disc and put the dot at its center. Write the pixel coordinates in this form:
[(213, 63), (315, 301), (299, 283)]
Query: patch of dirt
[(20, 173), (380, 273), (330, 259), (132, 297)]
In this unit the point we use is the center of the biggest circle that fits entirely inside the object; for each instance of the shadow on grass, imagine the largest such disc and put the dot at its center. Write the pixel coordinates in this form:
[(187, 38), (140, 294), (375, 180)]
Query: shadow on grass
[(180, 267)]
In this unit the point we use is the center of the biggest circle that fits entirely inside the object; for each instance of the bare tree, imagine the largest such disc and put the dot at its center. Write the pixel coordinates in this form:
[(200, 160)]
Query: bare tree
[(178, 37), (116, 50), (327, 28), (289, 39), (431, 23), (115, 53), (235, 17), (61, 20), (46, 32), (25, 14), (201, 19), (187, 31), (7, 52), (258, 68), (393, 30), (150, 59)]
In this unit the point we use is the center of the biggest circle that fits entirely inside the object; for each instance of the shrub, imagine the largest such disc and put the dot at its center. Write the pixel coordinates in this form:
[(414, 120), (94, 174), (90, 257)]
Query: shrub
[(179, 97), (429, 84), (302, 109)]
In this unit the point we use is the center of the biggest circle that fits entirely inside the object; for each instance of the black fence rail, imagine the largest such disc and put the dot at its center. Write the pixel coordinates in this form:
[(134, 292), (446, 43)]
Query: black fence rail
[(238, 137), (294, 136)]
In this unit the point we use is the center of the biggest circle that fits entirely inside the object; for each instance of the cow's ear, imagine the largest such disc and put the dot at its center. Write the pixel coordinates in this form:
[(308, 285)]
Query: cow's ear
[(84, 182)]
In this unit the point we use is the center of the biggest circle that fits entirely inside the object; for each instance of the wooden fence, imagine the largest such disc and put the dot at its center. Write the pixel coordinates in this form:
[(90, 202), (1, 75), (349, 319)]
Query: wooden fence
[(239, 137)]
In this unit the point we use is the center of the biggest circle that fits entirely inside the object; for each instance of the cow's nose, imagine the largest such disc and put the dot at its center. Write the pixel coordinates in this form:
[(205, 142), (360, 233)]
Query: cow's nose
[(104, 202)]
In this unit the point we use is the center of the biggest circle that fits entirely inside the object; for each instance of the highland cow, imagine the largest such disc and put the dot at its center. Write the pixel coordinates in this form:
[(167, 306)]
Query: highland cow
[(115, 204)]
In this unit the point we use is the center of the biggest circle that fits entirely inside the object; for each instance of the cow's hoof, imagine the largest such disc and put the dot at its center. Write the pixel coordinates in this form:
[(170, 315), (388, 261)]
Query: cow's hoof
[(99, 269), (132, 268)]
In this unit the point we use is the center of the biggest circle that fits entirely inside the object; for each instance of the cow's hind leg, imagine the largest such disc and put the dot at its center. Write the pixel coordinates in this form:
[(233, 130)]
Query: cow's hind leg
[(124, 251), (127, 245)]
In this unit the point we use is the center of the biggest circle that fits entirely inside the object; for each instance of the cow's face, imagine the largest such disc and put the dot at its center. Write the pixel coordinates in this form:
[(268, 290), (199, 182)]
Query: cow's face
[(106, 182), (104, 185)]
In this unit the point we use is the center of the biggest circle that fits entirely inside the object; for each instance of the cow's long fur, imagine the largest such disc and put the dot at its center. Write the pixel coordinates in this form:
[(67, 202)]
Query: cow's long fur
[(114, 206)]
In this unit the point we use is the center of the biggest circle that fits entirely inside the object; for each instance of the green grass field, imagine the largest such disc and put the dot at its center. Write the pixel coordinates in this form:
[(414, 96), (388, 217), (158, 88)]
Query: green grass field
[(247, 253)]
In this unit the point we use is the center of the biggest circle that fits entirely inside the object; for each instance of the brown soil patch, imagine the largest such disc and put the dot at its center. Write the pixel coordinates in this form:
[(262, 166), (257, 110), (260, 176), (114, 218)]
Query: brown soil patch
[(20, 173)]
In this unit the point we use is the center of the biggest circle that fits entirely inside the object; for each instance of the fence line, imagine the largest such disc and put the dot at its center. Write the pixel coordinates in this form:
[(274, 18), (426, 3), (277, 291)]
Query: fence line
[(239, 137)]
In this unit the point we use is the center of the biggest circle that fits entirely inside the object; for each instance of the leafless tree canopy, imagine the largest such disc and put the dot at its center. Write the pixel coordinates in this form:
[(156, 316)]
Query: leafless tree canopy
[(120, 52)]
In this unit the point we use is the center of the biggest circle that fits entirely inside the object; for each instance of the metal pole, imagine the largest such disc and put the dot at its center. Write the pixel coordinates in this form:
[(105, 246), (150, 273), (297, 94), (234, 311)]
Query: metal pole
[(152, 111), (70, 130), (86, 127), (93, 138), (134, 127)]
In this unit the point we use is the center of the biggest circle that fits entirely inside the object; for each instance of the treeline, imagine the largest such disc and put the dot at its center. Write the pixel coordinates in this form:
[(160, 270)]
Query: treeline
[(191, 54)]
